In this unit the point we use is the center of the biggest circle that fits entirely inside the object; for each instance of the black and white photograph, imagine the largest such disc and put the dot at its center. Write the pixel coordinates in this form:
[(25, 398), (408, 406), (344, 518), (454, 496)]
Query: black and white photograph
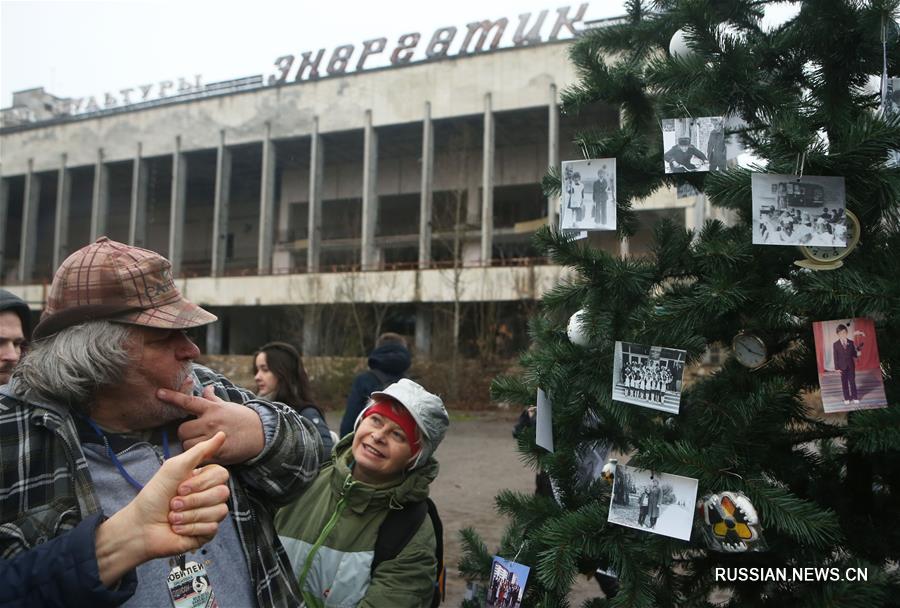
[(695, 144), (660, 503), (649, 376), (507, 585), (588, 194), (799, 210)]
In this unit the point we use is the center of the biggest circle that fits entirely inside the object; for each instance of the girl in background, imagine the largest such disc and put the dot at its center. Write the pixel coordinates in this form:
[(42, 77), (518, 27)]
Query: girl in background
[(280, 376)]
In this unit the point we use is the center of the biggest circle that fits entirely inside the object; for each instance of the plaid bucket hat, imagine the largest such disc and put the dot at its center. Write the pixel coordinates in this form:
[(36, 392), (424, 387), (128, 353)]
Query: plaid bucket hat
[(117, 282)]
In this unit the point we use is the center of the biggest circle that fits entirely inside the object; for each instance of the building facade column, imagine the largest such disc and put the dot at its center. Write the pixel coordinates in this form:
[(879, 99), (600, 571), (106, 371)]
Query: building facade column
[(312, 316), (137, 217), (426, 201), (423, 329), (28, 242), (100, 200), (267, 205), (487, 184), (214, 333), (220, 207), (61, 216), (4, 219), (316, 173), (176, 212), (553, 152), (369, 254)]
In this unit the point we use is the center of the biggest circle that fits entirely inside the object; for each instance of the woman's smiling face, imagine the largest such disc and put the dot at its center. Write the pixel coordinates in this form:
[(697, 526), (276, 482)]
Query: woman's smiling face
[(381, 450)]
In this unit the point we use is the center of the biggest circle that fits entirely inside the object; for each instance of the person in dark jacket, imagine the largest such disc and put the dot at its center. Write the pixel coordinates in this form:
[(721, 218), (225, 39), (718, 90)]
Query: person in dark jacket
[(387, 364), (680, 155), (15, 331), (280, 376), (94, 563)]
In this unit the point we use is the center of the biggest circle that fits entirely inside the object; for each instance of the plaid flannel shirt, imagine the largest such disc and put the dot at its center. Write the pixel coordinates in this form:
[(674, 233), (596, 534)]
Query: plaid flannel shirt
[(46, 489)]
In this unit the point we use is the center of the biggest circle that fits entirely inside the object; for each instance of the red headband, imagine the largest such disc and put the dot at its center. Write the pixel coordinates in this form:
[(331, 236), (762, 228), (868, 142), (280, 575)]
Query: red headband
[(398, 414)]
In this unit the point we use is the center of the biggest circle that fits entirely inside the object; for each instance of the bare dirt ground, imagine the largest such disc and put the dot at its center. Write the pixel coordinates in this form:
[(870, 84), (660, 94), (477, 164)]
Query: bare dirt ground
[(478, 458)]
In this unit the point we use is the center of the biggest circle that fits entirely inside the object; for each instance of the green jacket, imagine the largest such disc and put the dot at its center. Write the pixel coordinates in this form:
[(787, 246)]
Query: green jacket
[(332, 530)]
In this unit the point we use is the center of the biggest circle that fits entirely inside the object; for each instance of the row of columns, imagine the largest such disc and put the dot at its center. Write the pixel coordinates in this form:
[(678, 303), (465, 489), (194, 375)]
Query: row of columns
[(370, 255)]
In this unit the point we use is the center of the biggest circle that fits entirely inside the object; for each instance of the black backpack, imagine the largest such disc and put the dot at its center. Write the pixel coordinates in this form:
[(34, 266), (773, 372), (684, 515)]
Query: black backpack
[(397, 530)]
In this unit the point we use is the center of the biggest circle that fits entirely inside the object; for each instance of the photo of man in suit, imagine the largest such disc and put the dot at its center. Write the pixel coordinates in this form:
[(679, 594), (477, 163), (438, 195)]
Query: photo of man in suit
[(846, 352)]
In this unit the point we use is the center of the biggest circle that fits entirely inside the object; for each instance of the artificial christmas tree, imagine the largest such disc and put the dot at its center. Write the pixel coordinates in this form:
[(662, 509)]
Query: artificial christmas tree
[(823, 489)]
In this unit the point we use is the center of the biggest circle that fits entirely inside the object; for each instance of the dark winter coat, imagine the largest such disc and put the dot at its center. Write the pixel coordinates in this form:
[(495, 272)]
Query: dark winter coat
[(61, 572), (391, 361)]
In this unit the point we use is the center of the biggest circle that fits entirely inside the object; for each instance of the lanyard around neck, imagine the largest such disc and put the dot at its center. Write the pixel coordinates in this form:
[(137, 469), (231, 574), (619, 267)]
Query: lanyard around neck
[(115, 459)]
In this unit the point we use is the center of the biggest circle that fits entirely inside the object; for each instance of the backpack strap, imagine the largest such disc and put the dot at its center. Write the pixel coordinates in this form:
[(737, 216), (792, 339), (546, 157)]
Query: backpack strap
[(441, 582), (397, 530), (383, 378)]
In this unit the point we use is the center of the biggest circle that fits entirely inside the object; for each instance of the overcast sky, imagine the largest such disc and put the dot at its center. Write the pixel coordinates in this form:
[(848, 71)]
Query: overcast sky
[(78, 49)]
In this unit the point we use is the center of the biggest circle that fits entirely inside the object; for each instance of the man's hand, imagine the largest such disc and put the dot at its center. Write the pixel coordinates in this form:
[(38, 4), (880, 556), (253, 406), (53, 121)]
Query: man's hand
[(179, 510), (242, 425)]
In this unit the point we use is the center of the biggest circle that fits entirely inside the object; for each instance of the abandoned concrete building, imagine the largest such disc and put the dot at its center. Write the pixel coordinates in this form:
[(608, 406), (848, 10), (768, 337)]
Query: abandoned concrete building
[(321, 210)]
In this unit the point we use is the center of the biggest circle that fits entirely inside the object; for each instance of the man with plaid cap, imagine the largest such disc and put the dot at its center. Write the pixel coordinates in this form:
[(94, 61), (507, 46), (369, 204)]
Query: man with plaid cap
[(107, 392)]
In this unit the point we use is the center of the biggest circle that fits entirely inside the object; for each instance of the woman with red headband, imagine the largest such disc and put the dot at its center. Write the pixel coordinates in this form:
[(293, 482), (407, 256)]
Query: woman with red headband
[(386, 464)]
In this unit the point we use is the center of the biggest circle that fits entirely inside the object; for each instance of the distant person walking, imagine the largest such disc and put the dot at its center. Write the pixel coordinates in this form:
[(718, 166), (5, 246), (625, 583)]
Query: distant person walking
[(387, 364)]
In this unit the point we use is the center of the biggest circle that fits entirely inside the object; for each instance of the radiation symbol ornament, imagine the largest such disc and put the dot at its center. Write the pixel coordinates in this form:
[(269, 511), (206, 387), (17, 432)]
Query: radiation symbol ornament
[(730, 523), (830, 258)]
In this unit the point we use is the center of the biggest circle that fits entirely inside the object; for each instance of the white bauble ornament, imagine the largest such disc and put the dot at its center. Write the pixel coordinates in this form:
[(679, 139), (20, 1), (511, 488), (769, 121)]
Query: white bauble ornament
[(778, 14), (576, 329), (872, 85), (678, 46)]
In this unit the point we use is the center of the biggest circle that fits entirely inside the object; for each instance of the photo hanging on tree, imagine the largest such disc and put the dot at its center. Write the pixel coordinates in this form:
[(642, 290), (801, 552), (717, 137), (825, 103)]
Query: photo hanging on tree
[(649, 376), (890, 107), (849, 366), (590, 456), (798, 210), (588, 194), (507, 585), (660, 503), (694, 144)]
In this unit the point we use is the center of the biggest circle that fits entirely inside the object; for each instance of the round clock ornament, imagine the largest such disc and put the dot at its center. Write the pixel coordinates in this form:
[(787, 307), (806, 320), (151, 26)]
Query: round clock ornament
[(830, 258), (730, 523), (749, 350)]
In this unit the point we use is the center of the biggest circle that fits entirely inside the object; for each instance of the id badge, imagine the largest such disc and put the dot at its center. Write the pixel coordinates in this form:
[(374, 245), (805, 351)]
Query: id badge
[(189, 587)]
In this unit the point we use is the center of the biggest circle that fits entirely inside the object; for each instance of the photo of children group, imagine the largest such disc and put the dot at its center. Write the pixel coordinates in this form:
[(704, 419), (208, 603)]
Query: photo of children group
[(649, 376), (791, 210), (507, 586), (653, 502), (849, 365), (588, 195)]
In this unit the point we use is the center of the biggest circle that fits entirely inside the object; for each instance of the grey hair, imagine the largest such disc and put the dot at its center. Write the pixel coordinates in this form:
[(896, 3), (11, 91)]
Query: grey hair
[(70, 366)]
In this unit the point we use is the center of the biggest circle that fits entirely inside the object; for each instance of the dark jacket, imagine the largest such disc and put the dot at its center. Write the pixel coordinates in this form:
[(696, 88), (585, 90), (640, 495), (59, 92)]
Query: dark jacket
[(11, 302), (845, 356), (392, 361), (61, 572)]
